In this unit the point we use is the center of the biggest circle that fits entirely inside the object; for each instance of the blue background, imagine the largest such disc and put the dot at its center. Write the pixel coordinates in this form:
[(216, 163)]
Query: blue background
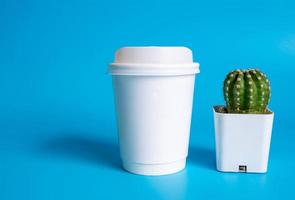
[(58, 138)]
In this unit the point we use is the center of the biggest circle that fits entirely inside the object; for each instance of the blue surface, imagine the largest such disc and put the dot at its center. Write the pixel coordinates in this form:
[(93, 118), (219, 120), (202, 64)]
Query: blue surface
[(57, 122)]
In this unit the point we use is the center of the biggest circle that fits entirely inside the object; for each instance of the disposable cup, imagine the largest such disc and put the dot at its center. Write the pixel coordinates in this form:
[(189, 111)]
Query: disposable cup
[(154, 89)]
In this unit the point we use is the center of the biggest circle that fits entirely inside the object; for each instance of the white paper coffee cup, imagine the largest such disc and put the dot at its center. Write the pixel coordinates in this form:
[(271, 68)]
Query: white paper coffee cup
[(153, 94)]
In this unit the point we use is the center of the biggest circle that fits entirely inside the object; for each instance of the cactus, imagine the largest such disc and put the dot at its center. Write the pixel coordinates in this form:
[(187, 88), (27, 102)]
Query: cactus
[(246, 91)]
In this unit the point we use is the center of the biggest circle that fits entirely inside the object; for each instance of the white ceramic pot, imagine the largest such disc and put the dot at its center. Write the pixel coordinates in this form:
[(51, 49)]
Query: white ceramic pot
[(153, 95), (242, 141)]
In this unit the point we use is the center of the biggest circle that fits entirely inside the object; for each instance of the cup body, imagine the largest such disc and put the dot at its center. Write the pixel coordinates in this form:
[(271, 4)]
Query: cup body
[(154, 116)]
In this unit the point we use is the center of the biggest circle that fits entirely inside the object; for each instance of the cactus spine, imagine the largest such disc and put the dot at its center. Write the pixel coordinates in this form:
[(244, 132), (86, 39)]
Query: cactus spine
[(246, 91)]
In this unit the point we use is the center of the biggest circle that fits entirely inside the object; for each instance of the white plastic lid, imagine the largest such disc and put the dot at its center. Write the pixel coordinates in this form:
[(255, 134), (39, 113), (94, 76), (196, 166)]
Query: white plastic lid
[(153, 61)]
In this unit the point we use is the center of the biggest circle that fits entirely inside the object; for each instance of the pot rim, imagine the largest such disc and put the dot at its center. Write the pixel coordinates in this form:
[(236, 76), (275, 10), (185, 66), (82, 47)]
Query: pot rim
[(241, 114)]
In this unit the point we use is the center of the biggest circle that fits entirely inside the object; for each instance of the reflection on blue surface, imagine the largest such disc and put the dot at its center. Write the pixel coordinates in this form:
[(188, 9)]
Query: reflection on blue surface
[(169, 186)]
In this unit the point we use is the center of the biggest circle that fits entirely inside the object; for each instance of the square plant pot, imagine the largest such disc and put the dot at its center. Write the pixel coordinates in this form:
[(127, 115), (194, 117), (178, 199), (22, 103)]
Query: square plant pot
[(242, 141)]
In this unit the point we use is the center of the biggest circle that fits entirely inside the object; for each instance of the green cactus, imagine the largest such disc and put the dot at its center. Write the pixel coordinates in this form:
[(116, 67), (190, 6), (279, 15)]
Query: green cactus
[(246, 91)]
